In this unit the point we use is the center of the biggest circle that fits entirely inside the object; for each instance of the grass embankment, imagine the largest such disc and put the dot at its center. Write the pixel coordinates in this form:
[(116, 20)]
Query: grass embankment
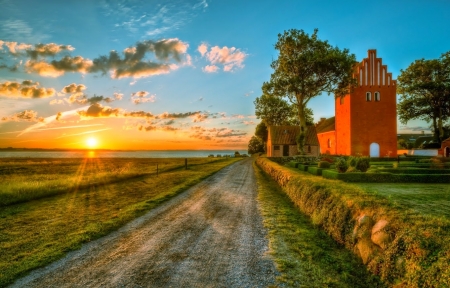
[(305, 256), (403, 246), (36, 233)]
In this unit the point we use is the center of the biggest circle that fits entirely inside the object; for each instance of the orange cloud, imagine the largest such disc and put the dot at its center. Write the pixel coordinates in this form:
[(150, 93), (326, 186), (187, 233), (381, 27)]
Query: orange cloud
[(97, 110), (73, 88), (26, 115), (27, 88)]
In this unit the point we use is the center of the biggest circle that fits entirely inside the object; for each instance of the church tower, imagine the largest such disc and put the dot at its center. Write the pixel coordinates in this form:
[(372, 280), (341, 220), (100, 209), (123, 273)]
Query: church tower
[(366, 119)]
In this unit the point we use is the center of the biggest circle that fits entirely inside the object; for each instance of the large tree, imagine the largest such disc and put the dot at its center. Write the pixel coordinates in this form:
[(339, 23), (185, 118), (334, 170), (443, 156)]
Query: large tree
[(305, 68), (424, 89), (277, 111), (255, 145)]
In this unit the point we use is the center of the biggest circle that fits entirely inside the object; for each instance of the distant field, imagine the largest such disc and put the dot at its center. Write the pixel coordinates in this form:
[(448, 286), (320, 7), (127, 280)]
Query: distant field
[(428, 199), (24, 179), (103, 195)]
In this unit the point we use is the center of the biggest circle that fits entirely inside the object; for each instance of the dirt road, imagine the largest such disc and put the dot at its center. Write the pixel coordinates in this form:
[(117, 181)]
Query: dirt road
[(210, 236)]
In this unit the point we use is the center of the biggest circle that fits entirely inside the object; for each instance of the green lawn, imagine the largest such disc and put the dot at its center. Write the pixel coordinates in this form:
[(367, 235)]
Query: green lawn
[(428, 199)]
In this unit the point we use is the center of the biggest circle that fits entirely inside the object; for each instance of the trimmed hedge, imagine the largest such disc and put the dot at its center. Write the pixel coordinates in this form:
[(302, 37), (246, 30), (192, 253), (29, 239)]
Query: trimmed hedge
[(384, 177), (315, 170), (416, 249)]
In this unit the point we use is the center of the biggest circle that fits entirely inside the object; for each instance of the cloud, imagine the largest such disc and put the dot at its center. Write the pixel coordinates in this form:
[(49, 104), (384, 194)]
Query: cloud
[(203, 48), (97, 110), (27, 89), (26, 115), (230, 58), (56, 101), (14, 47), (73, 88), (141, 97), (118, 96), (215, 134), (248, 122), (147, 58), (210, 68)]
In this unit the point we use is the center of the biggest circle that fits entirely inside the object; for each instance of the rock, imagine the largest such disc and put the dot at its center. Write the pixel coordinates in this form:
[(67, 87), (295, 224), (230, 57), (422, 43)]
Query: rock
[(363, 228), (380, 235), (366, 250)]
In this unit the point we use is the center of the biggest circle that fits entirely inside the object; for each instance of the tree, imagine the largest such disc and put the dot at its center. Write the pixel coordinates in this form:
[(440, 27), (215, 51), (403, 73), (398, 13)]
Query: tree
[(273, 110), (255, 145), (424, 89), (262, 133), (276, 111), (307, 67)]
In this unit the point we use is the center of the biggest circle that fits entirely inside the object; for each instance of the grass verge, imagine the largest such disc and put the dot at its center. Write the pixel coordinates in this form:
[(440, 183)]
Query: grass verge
[(36, 233), (305, 255)]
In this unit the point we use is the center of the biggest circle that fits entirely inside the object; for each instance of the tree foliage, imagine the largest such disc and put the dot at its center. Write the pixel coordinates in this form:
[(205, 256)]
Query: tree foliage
[(424, 89), (261, 131), (306, 67), (255, 145), (277, 111)]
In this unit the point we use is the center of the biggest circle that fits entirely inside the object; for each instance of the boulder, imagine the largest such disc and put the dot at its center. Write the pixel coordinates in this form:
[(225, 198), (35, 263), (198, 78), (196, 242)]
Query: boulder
[(380, 235)]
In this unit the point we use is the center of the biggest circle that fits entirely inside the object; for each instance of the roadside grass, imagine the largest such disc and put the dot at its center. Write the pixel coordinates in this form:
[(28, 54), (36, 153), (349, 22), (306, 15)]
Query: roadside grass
[(36, 233), (23, 179), (427, 199), (305, 255)]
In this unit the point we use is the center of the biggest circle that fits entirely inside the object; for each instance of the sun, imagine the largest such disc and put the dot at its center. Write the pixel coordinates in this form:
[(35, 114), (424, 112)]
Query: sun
[(91, 142)]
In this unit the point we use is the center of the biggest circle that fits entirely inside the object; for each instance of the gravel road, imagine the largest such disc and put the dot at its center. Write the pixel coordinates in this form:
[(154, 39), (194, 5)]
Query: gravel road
[(210, 236)]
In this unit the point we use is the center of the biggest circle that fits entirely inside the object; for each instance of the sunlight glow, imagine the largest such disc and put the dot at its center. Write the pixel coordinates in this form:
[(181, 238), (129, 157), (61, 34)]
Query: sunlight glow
[(91, 142)]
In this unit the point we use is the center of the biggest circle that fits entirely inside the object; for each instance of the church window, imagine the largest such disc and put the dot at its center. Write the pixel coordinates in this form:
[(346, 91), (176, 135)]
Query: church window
[(329, 143), (368, 96), (377, 96), (341, 100)]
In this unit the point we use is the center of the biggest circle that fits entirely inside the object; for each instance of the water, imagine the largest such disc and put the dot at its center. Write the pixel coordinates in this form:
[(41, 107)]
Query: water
[(117, 154)]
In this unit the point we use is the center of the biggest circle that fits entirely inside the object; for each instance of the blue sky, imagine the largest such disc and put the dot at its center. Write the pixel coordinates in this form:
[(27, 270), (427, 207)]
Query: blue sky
[(202, 67)]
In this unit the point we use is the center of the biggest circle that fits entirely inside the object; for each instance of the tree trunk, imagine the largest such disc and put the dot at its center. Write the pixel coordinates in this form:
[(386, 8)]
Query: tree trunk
[(303, 127), (436, 130)]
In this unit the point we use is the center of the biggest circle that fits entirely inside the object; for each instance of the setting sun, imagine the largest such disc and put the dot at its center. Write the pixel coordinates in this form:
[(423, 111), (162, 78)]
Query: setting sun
[(91, 142)]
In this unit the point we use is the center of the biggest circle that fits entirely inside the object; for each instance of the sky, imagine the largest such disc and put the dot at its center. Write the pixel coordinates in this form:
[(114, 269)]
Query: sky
[(179, 75)]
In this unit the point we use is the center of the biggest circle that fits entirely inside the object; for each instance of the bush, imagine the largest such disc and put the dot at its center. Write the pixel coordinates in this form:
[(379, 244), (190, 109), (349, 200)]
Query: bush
[(359, 163), (341, 165), (324, 164), (329, 160), (352, 170)]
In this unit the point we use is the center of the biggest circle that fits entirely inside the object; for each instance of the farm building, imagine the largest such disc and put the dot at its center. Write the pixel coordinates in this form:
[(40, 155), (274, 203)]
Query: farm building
[(281, 141)]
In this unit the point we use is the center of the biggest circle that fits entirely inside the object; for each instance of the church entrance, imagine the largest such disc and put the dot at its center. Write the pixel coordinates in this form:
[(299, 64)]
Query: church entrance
[(374, 150)]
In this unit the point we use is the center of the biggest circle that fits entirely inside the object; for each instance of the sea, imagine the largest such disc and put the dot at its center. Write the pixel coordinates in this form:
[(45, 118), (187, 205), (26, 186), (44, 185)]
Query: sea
[(119, 154)]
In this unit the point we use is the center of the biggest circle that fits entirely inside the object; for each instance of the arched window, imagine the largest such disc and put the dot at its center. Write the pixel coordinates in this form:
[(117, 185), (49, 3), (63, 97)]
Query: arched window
[(341, 100), (377, 96), (368, 96), (329, 143)]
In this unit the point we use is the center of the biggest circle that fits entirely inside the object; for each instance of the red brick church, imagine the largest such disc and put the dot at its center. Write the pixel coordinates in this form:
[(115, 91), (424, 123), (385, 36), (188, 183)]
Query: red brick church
[(365, 121)]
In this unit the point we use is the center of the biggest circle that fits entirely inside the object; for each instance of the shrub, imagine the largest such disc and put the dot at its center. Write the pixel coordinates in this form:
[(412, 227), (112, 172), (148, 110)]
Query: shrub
[(329, 160), (359, 163), (324, 164), (341, 165), (352, 169)]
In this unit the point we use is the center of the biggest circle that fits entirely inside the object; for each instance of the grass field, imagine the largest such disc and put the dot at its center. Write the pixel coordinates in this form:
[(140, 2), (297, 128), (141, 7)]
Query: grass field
[(427, 199), (305, 255), (37, 232), (23, 179)]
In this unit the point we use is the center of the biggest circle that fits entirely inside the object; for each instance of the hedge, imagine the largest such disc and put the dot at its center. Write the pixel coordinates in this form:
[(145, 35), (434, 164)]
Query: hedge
[(402, 246), (384, 177), (415, 171), (316, 170)]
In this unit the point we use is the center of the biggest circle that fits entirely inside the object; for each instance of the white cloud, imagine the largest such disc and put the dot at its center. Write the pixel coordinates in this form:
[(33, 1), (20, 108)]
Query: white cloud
[(230, 58), (210, 68)]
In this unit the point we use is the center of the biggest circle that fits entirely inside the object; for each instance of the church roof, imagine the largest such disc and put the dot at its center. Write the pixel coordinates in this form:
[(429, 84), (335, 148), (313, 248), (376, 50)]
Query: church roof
[(326, 125), (286, 135)]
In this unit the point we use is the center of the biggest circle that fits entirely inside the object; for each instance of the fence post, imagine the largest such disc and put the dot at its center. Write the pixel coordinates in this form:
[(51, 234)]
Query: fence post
[(185, 163)]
